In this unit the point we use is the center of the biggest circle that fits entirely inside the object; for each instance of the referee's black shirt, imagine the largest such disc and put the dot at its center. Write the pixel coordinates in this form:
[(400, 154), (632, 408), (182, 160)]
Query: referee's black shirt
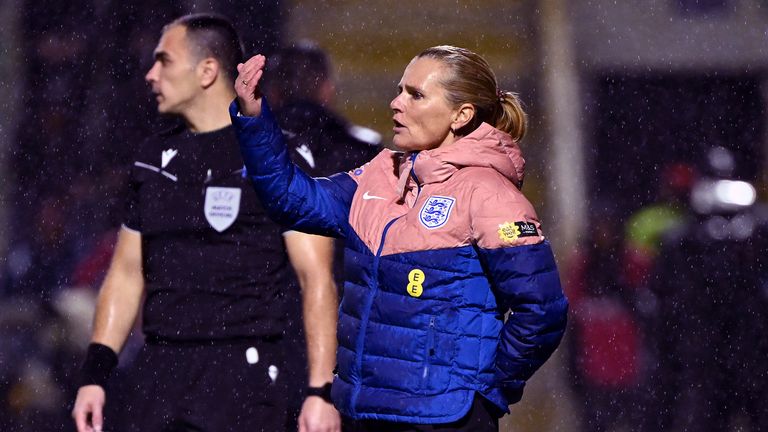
[(205, 283)]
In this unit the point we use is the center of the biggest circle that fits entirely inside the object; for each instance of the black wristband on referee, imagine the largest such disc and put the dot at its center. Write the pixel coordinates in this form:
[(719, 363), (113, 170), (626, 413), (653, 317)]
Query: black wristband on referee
[(100, 361), (323, 392)]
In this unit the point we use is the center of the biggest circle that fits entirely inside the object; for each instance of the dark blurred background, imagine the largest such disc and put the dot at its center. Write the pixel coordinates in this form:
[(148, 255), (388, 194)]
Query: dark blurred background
[(633, 106)]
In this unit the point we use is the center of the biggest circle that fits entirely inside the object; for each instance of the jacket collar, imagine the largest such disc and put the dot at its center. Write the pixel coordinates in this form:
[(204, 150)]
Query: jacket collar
[(486, 147)]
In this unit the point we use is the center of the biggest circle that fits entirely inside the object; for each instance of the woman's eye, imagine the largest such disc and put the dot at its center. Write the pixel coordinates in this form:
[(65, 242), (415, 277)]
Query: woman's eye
[(417, 95)]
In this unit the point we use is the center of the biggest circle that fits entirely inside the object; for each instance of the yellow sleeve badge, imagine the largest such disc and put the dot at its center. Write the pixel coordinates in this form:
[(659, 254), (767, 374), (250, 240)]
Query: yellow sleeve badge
[(511, 231)]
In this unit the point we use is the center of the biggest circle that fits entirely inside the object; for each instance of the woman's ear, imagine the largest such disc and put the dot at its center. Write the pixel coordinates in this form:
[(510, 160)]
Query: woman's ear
[(208, 71), (463, 116)]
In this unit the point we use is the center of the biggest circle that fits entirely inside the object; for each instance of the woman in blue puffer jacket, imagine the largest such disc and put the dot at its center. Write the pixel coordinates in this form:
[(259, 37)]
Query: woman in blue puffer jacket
[(441, 244)]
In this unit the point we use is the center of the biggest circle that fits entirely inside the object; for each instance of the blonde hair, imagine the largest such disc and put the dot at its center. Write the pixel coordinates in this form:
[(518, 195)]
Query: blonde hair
[(470, 80)]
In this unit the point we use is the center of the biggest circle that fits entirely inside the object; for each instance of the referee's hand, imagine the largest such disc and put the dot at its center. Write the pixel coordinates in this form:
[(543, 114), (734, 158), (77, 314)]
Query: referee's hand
[(318, 415), (247, 85), (88, 408)]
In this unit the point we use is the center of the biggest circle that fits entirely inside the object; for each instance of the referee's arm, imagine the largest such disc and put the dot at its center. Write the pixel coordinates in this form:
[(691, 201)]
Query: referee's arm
[(120, 294), (312, 259), (116, 310)]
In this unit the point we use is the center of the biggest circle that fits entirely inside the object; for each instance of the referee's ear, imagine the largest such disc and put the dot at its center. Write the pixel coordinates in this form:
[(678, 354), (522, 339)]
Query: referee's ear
[(208, 71)]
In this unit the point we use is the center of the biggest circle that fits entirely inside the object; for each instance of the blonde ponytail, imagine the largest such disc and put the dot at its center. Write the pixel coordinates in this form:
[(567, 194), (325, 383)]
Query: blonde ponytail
[(512, 119)]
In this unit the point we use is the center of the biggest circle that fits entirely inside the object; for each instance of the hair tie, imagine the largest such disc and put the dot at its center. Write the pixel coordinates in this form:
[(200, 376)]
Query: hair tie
[(500, 94)]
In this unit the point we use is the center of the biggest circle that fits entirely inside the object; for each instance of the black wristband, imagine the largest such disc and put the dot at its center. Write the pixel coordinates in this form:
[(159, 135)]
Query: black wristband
[(323, 392), (100, 361)]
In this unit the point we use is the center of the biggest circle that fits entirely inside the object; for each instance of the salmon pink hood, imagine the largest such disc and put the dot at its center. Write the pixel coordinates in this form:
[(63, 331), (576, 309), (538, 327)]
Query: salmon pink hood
[(486, 147)]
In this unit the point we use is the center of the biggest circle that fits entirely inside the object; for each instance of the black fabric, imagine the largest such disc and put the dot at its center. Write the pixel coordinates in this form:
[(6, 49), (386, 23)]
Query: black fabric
[(318, 135), (323, 392), (203, 284), (325, 139), (203, 387), (100, 361), (334, 148), (483, 416)]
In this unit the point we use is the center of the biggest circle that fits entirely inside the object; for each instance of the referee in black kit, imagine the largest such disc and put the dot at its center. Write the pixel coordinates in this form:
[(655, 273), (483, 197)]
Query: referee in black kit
[(212, 267)]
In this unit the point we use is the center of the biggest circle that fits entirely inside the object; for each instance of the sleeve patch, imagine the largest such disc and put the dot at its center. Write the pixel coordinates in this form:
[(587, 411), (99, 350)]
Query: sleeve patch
[(511, 231)]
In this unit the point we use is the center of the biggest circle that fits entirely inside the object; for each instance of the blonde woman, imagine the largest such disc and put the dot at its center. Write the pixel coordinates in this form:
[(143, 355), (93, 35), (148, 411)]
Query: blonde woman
[(441, 243)]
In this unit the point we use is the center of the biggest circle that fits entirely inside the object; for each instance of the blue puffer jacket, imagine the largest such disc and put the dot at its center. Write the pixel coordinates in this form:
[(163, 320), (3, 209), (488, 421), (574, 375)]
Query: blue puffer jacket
[(441, 244)]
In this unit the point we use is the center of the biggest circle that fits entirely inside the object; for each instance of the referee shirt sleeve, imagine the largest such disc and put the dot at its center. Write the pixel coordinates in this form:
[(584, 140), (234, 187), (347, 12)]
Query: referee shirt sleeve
[(131, 213)]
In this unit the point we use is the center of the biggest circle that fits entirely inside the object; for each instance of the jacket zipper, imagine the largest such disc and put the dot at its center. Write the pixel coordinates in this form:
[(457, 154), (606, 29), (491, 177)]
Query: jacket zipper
[(413, 174), (366, 316), (374, 290), (430, 348)]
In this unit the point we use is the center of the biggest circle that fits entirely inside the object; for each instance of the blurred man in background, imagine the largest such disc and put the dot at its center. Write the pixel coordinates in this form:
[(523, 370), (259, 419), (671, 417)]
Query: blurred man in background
[(302, 90), (212, 267)]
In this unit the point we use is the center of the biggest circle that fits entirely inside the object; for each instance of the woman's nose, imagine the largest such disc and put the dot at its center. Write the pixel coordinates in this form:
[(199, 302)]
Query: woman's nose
[(395, 105)]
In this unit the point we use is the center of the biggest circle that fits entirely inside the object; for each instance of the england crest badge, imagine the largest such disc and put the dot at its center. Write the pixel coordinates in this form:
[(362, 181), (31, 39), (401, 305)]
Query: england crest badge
[(436, 211), (222, 205)]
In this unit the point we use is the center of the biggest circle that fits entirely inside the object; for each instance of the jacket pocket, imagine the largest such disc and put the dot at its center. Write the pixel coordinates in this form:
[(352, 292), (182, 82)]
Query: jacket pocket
[(434, 377)]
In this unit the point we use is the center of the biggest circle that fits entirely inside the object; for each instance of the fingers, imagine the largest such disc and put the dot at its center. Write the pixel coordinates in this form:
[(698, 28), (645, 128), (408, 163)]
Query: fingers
[(251, 83), (89, 403), (80, 420), (97, 419), (255, 62), (250, 72), (318, 416), (80, 414), (247, 85)]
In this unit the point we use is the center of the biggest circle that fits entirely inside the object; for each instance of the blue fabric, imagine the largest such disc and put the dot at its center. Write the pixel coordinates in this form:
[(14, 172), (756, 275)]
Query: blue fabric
[(526, 282), (434, 353), (290, 197)]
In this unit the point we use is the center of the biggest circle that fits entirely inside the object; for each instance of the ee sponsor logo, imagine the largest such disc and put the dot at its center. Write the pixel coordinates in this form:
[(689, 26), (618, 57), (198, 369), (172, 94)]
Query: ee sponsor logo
[(415, 279)]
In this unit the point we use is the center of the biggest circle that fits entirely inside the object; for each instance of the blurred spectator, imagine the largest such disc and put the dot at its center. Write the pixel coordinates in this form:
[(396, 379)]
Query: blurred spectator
[(302, 88), (36, 268), (712, 295), (39, 345), (605, 338), (645, 227)]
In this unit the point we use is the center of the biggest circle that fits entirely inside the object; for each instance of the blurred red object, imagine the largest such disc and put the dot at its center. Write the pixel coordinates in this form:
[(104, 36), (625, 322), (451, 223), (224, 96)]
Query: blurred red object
[(608, 344)]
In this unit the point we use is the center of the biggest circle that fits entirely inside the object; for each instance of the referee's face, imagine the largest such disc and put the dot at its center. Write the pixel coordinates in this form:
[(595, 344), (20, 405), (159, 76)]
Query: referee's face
[(173, 76)]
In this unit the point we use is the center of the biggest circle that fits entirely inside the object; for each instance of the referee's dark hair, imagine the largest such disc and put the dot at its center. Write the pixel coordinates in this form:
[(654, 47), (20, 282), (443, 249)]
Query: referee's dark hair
[(213, 35), (297, 72)]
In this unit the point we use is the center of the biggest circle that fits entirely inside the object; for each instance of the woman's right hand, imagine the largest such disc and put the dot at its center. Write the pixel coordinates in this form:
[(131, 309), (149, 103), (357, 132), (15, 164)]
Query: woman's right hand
[(247, 85)]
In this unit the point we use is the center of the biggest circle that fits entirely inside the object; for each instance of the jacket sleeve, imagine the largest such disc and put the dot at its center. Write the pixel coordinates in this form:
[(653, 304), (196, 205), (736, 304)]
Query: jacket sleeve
[(290, 197), (521, 269)]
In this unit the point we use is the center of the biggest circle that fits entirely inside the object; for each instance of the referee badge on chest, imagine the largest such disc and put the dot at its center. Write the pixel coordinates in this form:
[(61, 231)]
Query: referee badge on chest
[(222, 205)]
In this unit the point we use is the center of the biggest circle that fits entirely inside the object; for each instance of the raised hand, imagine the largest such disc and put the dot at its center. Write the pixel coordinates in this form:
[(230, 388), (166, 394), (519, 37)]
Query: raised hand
[(247, 85)]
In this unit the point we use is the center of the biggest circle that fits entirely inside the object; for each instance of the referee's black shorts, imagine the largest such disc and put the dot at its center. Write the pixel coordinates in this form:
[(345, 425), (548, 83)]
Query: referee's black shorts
[(232, 386)]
